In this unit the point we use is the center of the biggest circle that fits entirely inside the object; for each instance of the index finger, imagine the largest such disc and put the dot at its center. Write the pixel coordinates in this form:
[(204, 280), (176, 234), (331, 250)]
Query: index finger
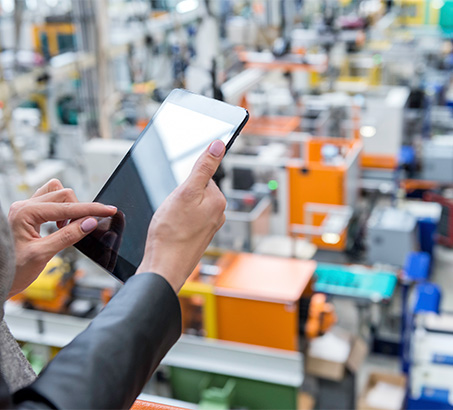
[(207, 165), (51, 186), (53, 211)]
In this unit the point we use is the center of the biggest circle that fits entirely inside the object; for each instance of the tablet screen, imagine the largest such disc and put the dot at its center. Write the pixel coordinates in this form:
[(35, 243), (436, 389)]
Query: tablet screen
[(159, 161), (183, 145)]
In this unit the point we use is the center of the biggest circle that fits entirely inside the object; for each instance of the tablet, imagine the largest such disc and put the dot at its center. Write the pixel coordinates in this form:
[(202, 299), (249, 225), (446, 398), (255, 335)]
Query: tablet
[(159, 161)]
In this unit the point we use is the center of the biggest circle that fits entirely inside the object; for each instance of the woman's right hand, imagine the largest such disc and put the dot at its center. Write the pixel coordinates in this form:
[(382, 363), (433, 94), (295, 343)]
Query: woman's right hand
[(50, 203), (186, 222)]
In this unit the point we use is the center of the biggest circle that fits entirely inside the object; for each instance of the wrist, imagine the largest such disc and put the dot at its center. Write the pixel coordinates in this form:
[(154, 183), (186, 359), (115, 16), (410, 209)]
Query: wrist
[(171, 279)]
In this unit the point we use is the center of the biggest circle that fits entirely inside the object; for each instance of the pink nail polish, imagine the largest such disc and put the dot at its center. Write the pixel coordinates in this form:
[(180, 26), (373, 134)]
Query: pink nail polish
[(88, 225), (217, 148)]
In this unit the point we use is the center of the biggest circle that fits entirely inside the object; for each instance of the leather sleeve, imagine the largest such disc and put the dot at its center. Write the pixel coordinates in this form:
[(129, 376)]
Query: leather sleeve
[(107, 365)]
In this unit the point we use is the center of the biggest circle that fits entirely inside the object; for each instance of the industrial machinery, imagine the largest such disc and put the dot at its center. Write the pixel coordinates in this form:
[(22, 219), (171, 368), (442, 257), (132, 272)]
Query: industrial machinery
[(428, 347), (329, 114), (254, 299), (52, 290), (437, 160), (224, 375), (427, 12), (247, 221), (382, 126), (444, 232), (328, 175), (256, 168), (370, 289), (391, 235), (257, 306), (62, 289), (321, 316), (357, 282), (359, 73), (55, 36)]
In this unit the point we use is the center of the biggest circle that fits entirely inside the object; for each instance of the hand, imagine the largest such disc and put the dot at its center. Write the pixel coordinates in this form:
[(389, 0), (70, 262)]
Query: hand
[(186, 222), (50, 203)]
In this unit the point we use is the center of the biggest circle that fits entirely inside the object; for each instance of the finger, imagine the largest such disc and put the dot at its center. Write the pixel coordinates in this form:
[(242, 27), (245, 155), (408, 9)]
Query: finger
[(207, 165), (53, 185), (113, 223), (212, 188), (215, 196), (38, 213), (67, 236), (62, 224), (62, 195), (221, 222)]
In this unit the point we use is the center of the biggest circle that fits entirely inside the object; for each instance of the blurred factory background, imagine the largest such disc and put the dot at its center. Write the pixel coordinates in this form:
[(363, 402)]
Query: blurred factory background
[(330, 285)]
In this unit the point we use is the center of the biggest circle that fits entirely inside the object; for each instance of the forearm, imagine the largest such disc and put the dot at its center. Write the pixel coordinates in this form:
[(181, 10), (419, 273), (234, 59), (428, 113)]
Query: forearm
[(107, 365)]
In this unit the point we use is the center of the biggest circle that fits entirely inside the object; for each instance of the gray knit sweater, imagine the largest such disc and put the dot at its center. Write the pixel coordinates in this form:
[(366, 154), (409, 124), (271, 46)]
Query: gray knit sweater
[(13, 365)]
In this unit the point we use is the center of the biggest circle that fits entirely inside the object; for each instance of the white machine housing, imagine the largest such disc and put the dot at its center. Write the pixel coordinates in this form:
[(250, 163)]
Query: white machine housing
[(384, 111)]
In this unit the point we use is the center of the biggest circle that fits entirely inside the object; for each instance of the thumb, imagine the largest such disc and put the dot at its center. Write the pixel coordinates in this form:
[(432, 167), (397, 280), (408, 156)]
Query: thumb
[(207, 165), (69, 235)]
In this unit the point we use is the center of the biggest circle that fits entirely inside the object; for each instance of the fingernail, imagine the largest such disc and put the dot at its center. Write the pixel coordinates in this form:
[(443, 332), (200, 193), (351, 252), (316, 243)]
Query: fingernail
[(111, 207), (88, 225), (216, 148)]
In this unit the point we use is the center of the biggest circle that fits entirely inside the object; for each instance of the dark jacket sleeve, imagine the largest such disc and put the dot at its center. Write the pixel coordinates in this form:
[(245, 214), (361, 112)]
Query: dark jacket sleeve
[(107, 365)]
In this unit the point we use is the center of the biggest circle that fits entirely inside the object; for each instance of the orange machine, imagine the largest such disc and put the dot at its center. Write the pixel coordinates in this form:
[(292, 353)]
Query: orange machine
[(258, 299), (323, 181)]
